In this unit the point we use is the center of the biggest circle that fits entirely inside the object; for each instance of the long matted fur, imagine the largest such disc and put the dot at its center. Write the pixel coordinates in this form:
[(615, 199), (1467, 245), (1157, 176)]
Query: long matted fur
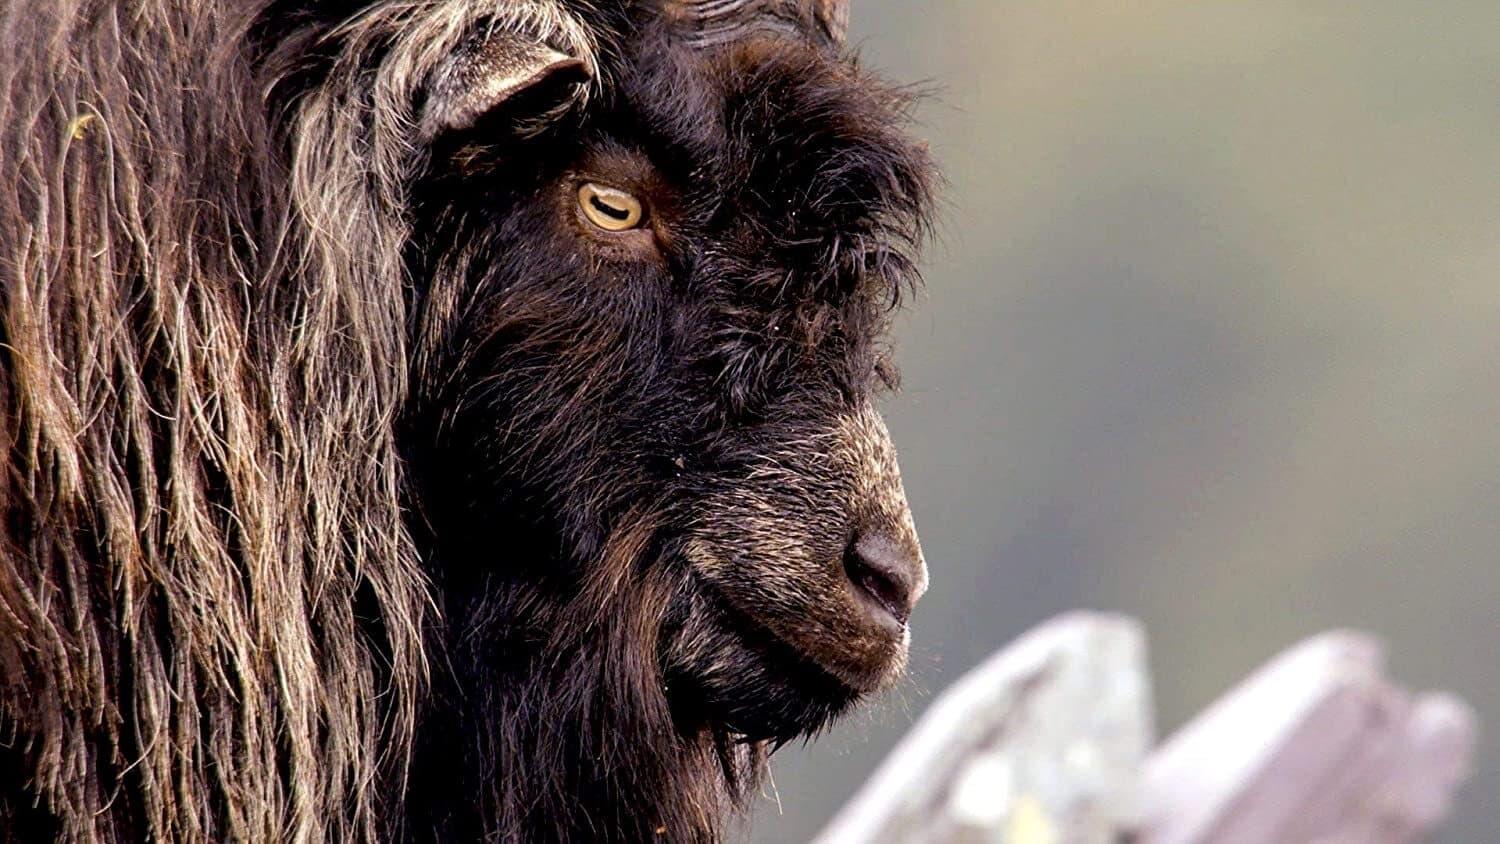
[(210, 610)]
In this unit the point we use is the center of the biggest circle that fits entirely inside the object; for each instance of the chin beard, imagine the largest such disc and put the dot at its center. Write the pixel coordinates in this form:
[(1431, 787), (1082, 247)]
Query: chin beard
[(725, 674), (646, 705)]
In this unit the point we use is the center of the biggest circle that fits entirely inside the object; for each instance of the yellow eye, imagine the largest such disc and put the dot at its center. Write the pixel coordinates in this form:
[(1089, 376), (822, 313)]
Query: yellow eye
[(610, 208)]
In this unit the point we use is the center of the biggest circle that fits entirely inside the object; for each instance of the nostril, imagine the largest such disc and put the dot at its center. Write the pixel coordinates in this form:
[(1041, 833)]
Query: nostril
[(886, 572)]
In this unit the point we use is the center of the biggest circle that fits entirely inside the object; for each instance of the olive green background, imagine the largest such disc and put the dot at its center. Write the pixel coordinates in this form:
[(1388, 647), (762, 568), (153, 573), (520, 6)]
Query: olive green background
[(1211, 336)]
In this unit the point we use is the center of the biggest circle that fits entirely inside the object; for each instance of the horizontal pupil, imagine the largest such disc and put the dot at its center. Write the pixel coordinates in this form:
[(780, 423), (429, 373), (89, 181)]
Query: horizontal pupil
[(621, 214)]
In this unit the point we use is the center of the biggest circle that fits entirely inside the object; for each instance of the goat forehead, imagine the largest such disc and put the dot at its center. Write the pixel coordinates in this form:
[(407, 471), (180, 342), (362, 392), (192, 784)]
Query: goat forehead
[(730, 109), (793, 152)]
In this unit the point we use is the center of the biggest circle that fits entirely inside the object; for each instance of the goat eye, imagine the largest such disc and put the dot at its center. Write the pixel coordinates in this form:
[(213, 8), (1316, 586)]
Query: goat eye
[(610, 208)]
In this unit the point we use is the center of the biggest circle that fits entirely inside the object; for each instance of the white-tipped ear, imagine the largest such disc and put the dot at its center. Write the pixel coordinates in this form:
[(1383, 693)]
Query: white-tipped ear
[(484, 74)]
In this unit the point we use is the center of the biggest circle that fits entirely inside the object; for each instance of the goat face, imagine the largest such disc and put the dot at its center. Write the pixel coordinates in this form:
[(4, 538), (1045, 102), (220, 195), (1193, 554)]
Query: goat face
[(653, 289)]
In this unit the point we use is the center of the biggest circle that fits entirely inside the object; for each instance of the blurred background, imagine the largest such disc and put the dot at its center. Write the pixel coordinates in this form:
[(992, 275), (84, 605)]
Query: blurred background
[(1211, 337)]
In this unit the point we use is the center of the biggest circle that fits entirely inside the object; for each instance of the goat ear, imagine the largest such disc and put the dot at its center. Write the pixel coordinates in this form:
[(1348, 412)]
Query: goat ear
[(493, 70)]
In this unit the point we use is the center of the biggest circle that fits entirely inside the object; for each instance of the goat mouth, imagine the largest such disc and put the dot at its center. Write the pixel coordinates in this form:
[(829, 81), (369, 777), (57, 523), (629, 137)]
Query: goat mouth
[(795, 660)]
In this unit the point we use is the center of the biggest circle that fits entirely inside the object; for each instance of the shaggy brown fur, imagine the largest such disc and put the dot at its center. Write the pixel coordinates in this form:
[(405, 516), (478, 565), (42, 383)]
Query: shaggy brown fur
[(351, 491), (212, 610)]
